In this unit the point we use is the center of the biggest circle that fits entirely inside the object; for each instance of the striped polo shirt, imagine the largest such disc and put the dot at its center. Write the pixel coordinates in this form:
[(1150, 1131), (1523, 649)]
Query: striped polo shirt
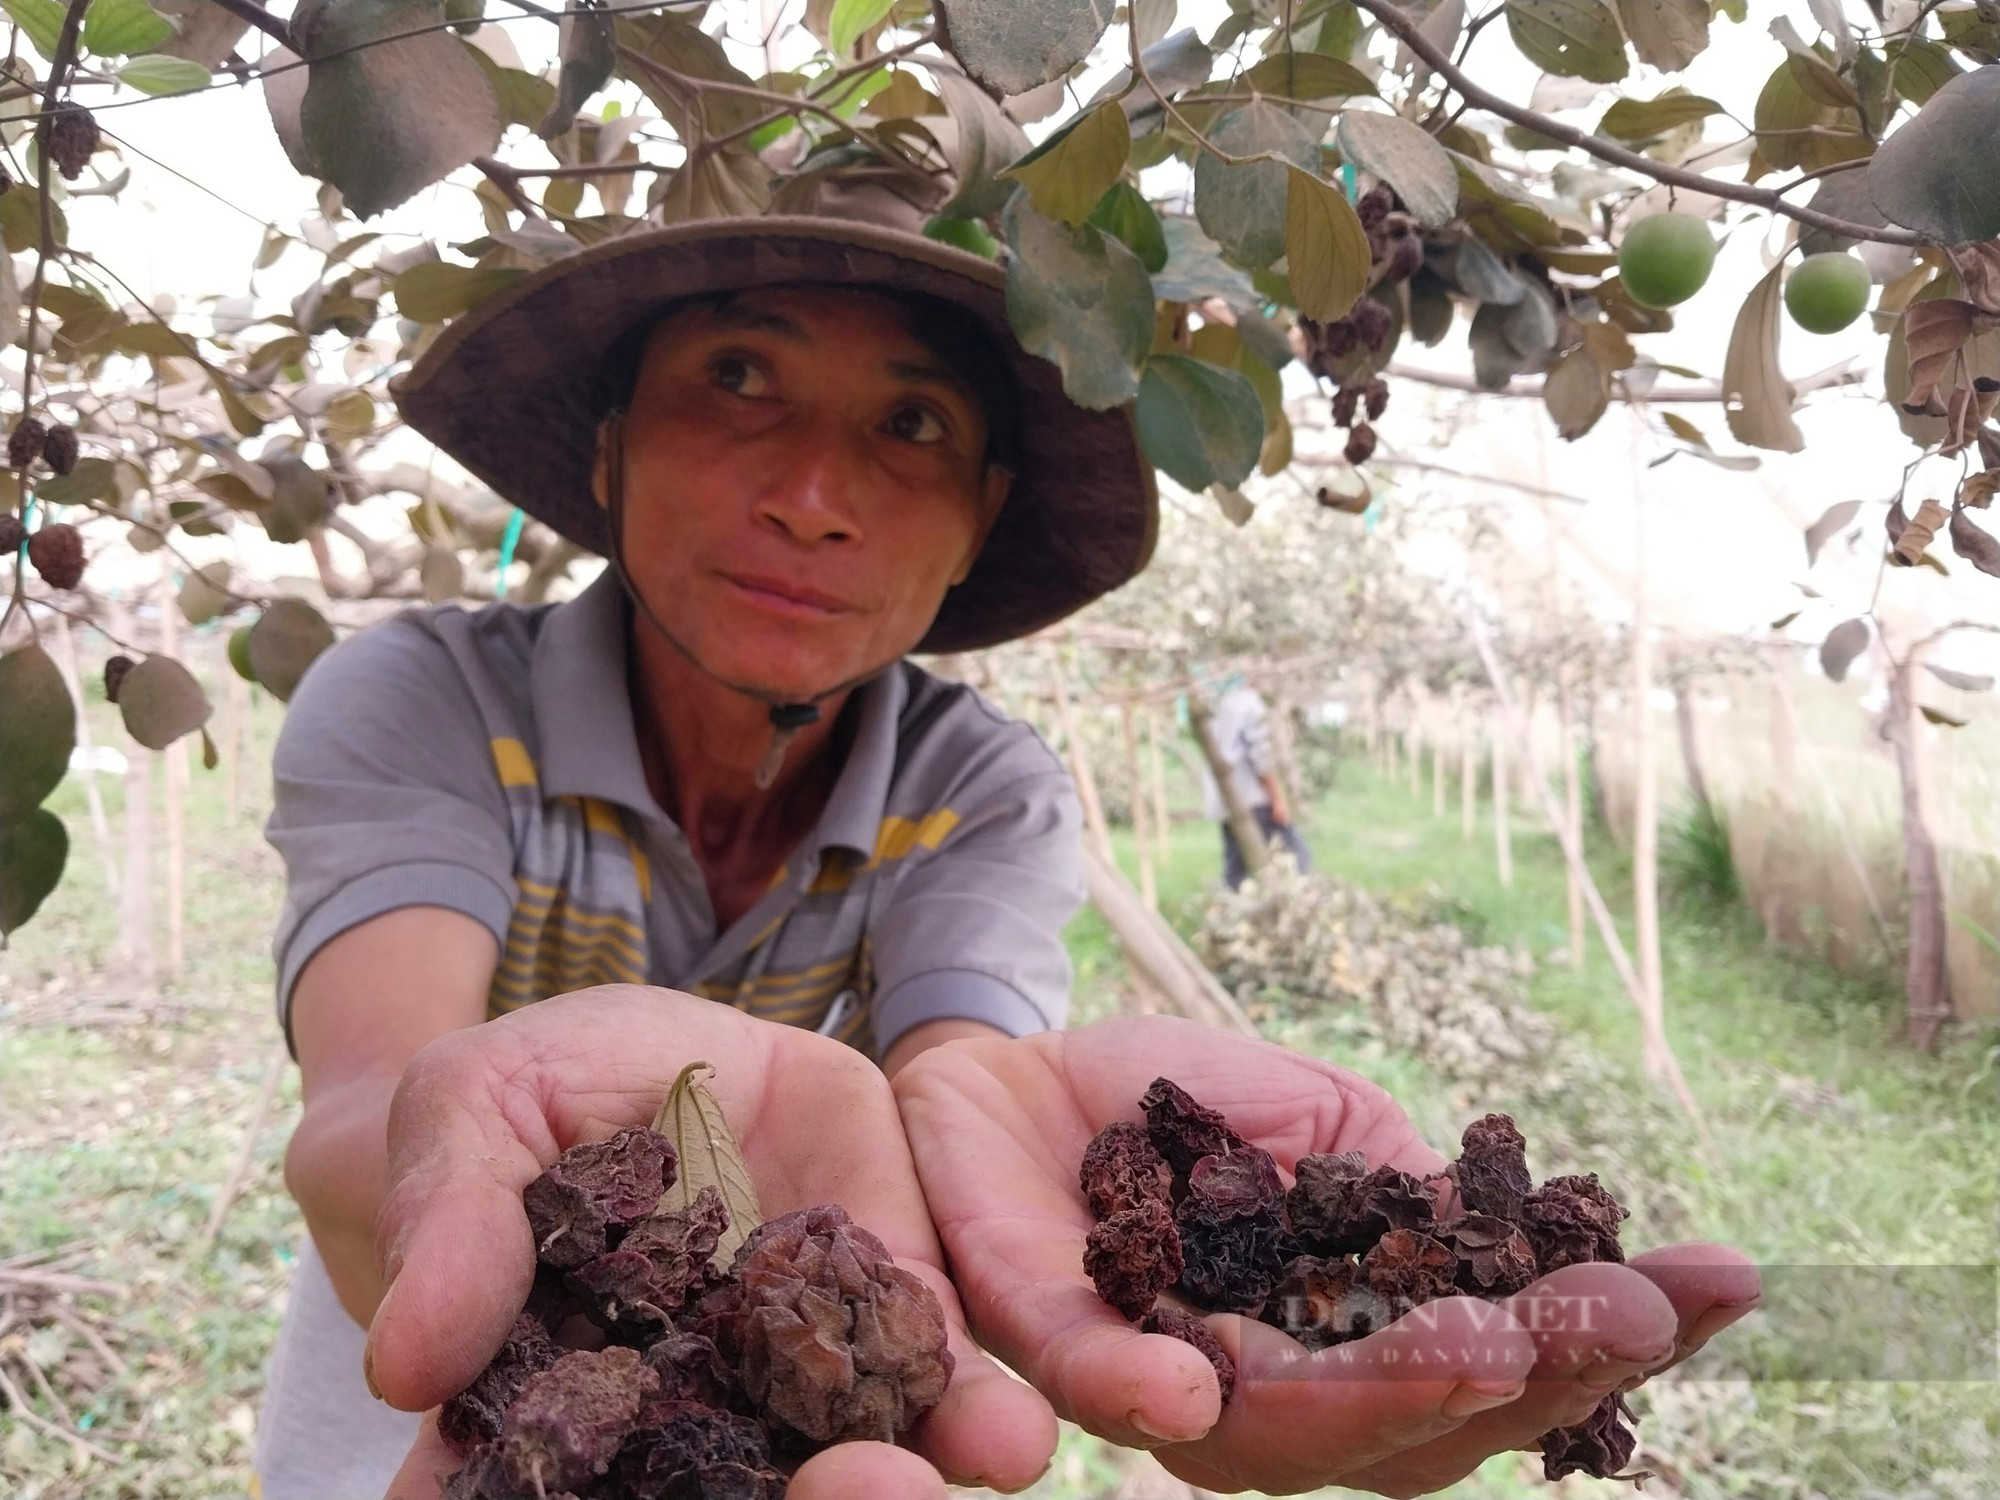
[(486, 761)]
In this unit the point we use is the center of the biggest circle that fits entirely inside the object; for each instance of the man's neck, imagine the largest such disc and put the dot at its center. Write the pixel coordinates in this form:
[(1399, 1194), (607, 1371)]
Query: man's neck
[(701, 744)]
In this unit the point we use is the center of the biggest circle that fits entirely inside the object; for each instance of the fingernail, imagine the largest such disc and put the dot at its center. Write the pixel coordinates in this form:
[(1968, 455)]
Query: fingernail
[(368, 1369), (1471, 1397), (1712, 1322), (1607, 1372), (1141, 1424)]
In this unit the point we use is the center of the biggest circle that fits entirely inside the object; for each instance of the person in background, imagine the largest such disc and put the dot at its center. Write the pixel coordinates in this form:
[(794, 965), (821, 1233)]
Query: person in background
[(1242, 727)]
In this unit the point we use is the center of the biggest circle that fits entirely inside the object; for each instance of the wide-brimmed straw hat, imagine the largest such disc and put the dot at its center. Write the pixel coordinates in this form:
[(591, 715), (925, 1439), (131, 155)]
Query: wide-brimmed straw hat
[(510, 391)]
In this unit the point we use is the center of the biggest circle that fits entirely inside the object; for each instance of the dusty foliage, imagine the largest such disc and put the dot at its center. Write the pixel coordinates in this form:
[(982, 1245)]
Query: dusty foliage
[(1303, 941)]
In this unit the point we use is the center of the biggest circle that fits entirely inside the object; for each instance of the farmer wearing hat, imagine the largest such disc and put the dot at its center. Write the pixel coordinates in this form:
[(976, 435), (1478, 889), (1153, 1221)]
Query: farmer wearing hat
[(711, 795)]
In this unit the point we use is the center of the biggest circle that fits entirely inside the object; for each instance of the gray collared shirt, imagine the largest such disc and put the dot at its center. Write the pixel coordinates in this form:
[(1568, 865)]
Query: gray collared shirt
[(486, 761)]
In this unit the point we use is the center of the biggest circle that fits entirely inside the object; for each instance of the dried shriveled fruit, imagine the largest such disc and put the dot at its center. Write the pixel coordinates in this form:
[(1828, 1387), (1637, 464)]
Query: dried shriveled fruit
[(1494, 1257), (1600, 1445), (593, 1191), (835, 1340), (1360, 444), (1132, 1257), (115, 668), (56, 550), (1491, 1172), (24, 443), (691, 1369), (659, 1263), (1571, 1220), (1179, 1323), (1338, 1206), (12, 535), (1122, 1169), (475, 1414), (1325, 1300), (693, 1452), (1408, 1268), (1232, 1230), (569, 1421), (59, 449), (1182, 1130), (71, 137)]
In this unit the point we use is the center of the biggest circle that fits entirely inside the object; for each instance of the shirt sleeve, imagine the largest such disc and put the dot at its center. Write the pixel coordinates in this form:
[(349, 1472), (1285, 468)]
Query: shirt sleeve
[(975, 930), (384, 796), (1256, 737)]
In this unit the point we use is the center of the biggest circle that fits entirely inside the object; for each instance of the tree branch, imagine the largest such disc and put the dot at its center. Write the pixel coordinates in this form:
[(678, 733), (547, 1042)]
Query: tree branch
[(255, 15), (1840, 374), (1399, 26)]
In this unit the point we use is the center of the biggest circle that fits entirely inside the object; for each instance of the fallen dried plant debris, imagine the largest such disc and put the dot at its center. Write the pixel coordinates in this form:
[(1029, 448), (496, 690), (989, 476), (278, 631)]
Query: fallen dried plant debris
[(1185, 1205), (642, 1368)]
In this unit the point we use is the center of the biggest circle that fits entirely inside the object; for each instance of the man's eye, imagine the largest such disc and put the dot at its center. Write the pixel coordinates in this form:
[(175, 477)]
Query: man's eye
[(915, 424), (739, 376)]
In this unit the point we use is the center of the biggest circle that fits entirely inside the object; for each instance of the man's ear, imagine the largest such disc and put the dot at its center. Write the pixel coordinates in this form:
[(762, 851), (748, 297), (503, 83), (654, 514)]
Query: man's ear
[(993, 487), (600, 464)]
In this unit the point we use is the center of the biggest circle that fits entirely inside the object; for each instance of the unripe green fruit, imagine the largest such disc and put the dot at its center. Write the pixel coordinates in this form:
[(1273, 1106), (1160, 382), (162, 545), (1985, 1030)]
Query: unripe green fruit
[(1664, 260), (1828, 291), (966, 234), (239, 652)]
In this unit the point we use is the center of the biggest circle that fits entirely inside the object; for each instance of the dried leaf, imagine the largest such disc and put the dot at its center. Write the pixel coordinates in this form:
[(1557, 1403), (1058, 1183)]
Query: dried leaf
[(1965, 682), (1911, 541), (1843, 643), (1934, 331), (692, 1118), (1236, 507), (160, 701), (37, 730), (1966, 411), (1829, 525), (1979, 488), (1756, 396), (1975, 545), (1326, 248), (589, 52)]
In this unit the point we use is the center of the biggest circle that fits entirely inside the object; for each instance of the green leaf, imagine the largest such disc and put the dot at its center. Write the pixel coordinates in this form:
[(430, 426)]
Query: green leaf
[(1405, 156), (21, 219), (37, 729), (1198, 422), (92, 479), (1667, 34), (1079, 299), (675, 42), (204, 593), (160, 701), (41, 22), (525, 98), (1326, 249), (298, 499), (1068, 173), (1573, 38), (851, 21), (966, 234), (287, 638), (1242, 205), (121, 28), (1940, 174), (435, 290), (589, 52), (1307, 75), (33, 852), (692, 1118), (1795, 129), (383, 122), (1756, 397), (1124, 212), (1017, 45), (1643, 119), (1922, 68)]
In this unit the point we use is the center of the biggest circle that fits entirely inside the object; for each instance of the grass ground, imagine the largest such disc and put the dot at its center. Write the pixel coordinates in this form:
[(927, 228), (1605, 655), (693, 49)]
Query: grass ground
[(122, 1115)]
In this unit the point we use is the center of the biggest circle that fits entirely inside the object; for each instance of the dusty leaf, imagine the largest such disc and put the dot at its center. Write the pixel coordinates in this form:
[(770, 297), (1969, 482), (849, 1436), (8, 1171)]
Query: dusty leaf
[(1200, 423), (1667, 34), (33, 850), (1079, 299), (1975, 544), (1306, 75), (1939, 174), (1577, 391), (1756, 396), (692, 1118), (1643, 119), (1965, 682), (1836, 518), (160, 701), (1241, 205), (1069, 173), (1843, 643), (1405, 156), (287, 638), (299, 497), (1017, 45), (382, 119), (1571, 38), (981, 143), (37, 729), (1326, 248)]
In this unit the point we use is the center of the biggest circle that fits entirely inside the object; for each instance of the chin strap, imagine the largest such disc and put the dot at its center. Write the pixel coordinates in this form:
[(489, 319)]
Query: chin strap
[(787, 719)]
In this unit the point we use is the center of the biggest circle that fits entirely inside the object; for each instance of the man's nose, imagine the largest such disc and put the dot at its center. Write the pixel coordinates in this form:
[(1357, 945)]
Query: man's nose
[(813, 495)]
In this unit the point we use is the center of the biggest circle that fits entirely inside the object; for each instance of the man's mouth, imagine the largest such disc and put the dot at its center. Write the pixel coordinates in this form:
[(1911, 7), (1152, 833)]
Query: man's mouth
[(786, 597)]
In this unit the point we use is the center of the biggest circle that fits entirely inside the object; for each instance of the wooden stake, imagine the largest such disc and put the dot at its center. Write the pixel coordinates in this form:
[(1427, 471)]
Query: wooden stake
[(1437, 777), (1156, 952), (1249, 837), (1928, 976), (1503, 838), (233, 738), (1416, 747), (135, 903), (100, 826), (1572, 812), (1163, 823), (1645, 769), (1079, 764), (1468, 781), (1142, 834), (177, 771)]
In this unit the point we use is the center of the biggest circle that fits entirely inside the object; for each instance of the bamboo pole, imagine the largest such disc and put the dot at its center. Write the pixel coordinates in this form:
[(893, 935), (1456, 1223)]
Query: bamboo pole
[(100, 825), (1572, 813), (1468, 781), (1156, 953), (1163, 822), (233, 716), (176, 793), (1142, 834), (1503, 837), (1437, 777), (1645, 769), (1416, 748), (1657, 1050), (1079, 764)]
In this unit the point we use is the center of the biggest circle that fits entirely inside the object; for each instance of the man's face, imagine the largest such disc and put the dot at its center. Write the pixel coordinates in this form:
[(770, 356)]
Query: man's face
[(803, 482)]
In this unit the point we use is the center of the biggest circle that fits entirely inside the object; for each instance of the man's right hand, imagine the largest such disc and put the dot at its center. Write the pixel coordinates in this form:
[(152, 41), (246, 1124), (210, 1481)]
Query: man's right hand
[(481, 1112)]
